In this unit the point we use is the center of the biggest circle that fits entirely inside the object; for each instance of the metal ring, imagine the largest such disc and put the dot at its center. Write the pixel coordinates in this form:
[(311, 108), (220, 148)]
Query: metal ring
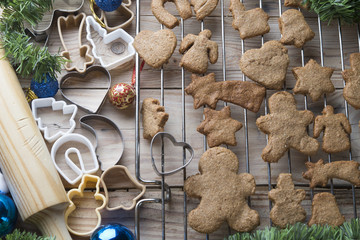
[(92, 2)]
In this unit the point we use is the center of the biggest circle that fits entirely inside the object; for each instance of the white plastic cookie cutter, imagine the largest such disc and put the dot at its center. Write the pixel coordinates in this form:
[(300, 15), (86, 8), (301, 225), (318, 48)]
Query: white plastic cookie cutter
[(92, 163), (71, 109)]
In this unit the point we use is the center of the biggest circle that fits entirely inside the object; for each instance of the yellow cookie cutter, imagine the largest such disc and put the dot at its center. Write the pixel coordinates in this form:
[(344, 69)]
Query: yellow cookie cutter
[(80, 192)]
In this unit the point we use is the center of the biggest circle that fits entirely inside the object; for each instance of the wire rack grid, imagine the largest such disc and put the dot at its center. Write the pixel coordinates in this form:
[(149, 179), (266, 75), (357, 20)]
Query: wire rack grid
[(165, 189)]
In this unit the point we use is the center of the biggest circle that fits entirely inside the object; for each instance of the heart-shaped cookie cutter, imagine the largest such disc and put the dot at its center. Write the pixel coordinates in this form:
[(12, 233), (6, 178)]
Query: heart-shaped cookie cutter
[(79, 192), (124, 173), (55, 106), (84, 122), (83, 75), (69, 22), (80, 172), (185, 145), (119, 42)]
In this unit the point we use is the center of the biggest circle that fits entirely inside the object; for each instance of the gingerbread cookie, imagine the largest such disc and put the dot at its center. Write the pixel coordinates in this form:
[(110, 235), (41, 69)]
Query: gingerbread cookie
[(155, 47), (249, 23), (154, 117), (325, 210), (287, 209), (219, 127), (286, 128), (267, 65), (166, 18), (223, 193), (336, 129), (294, 29), (320, 173), (203, 8), (198, 50), (313, 79), (294, 3), (205, 90), (352, 79)]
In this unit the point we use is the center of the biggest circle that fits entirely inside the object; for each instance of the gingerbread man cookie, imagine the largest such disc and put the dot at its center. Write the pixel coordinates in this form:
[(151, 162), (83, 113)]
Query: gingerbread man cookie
[(249, 23), (223, 193), (352, 79), (154, 117), (286, 128), (166, 18), (287, 209), (219, 127), (336, 129), (198, 50)]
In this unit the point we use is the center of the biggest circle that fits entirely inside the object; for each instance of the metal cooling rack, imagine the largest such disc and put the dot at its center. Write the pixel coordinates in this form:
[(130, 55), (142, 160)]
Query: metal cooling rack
[(165, 189)]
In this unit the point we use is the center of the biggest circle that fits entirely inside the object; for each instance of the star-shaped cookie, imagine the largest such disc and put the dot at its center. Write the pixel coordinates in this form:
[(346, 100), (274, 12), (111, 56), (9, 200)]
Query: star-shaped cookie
[(352, 80), (313, 79), (249, 23), (219, 127)]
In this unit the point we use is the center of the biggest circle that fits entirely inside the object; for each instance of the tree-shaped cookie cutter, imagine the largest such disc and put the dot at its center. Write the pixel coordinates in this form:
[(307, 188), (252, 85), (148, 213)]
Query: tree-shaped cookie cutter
[(79, 192), (68, 22)]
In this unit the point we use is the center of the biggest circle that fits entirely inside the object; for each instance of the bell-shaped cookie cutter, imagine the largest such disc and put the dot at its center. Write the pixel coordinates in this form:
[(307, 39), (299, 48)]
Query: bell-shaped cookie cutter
[(80, 193), (118, 40), (74, 137), (56, 106), (123, 172), (176, 144)]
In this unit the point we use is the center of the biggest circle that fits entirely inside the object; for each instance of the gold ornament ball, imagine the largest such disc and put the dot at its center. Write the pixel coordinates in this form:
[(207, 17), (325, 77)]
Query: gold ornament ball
[(122, 95)]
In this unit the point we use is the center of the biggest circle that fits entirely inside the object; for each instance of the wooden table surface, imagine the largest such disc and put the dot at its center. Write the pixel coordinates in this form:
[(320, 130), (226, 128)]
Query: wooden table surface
[(92, 92)]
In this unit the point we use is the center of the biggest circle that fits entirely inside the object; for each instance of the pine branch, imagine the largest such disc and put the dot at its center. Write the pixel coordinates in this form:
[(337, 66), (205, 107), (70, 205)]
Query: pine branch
[(18, 235)]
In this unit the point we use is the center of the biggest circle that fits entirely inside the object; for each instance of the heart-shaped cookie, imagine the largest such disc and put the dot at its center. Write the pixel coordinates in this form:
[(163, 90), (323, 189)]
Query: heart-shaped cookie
[(155, 47), (97, 80), (267, 65)]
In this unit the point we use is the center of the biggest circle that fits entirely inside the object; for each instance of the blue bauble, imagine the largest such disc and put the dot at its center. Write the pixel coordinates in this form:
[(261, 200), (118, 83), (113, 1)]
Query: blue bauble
[(48, 87), (108, 5), (112, 232), (8, 215)]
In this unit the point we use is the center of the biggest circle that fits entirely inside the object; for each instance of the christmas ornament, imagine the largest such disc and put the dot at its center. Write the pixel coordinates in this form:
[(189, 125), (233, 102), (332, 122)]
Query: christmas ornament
[(112, 232), (48, 87), (108, 5), (122, 95), (8, 215)]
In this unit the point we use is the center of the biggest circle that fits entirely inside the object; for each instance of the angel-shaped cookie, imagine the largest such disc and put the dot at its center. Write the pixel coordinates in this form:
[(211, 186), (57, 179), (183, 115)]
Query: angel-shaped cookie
[(198, 51), (286, 128)]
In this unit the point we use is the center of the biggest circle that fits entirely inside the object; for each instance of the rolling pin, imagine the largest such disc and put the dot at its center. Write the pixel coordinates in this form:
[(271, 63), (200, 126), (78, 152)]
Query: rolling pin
[(25, 160)]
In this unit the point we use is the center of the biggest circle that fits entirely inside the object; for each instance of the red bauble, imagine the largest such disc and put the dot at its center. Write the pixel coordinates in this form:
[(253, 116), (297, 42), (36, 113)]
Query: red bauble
[(122, 95)]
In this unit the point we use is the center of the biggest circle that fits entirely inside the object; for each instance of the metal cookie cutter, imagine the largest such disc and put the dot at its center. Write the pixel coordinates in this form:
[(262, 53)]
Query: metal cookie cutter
[(176, 144), (79, 192), (85, 122), (71, 110), (66, 79), (79, 172)]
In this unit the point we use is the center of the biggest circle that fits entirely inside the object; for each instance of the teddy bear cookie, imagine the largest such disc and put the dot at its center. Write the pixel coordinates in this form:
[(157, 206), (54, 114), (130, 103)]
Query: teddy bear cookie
[(286, 128), (267, 65), (352, 79), (336, 129), (294, 29), (154, 117), (223, 193), (325, 210), (320, 173), (203, 8), (249, 23), (313, 79), (166, 18), (198, 51), (219, 127), (287, 209), (155, 47)]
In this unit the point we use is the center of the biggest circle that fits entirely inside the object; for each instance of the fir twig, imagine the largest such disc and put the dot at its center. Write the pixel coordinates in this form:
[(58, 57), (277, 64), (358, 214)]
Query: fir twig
[(18, 235)]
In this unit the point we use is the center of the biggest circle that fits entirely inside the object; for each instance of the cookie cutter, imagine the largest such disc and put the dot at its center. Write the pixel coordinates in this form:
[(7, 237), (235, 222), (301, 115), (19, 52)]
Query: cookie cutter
[(70, 22), (185, 145), (56, 106), (123, 177), (84, 122), (79, 192), (80, 172), (118, 42), (74, 74), (123, 10)]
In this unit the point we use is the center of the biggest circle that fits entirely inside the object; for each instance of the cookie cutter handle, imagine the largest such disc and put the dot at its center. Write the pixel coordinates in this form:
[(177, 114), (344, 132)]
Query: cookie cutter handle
[(92, 2), (173, 140)]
